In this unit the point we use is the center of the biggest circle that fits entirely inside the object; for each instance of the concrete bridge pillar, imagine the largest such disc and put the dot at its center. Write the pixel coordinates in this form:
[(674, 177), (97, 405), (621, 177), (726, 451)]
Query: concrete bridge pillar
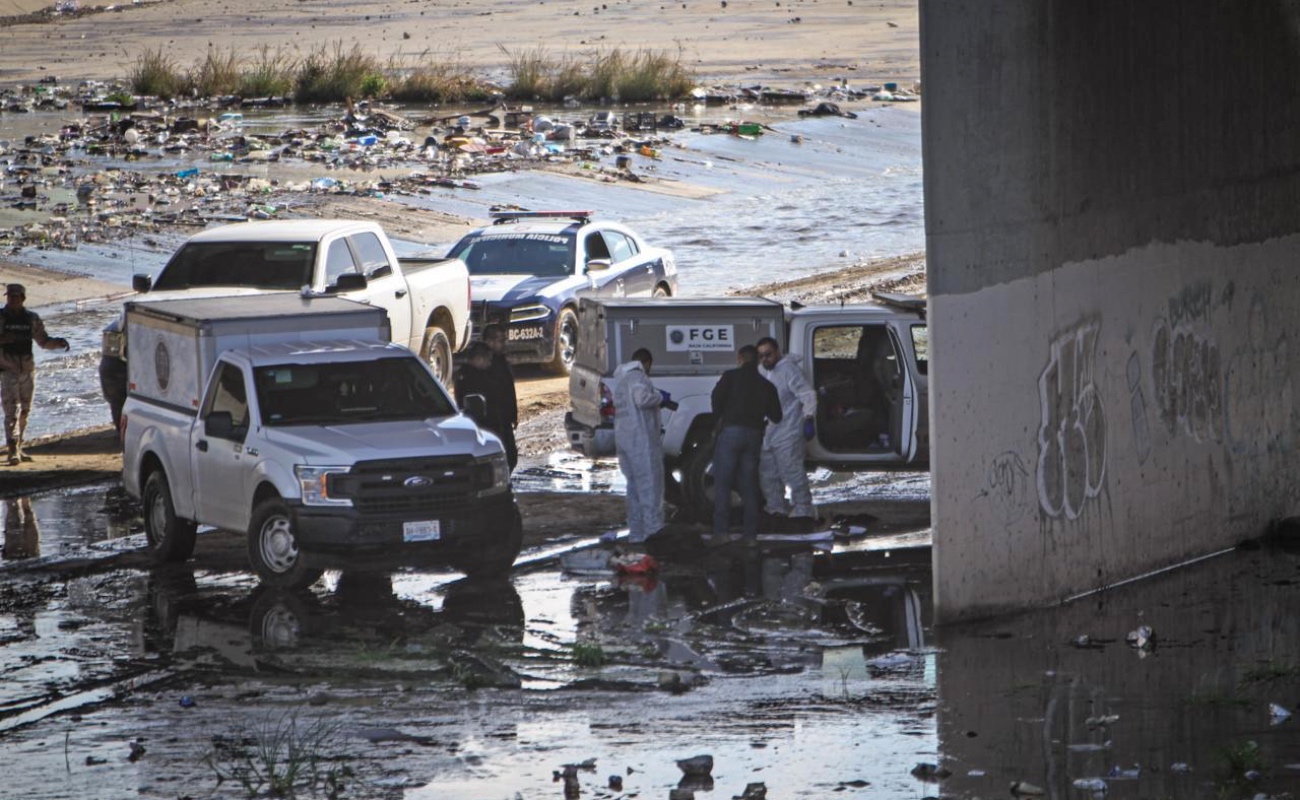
[(1112, 201)]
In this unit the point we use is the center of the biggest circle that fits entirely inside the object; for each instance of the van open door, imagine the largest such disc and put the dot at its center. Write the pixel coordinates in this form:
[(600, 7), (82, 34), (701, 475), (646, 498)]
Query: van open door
[(867, 409)]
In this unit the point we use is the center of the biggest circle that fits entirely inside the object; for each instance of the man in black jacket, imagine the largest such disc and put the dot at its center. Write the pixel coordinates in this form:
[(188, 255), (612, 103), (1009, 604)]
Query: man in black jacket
[(743, 403), (503, 381), (476, 377)]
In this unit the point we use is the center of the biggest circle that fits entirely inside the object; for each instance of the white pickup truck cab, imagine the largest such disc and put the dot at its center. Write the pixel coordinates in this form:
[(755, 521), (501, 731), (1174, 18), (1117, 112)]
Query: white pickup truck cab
[(867, 361), (295, 420), (427, 299)]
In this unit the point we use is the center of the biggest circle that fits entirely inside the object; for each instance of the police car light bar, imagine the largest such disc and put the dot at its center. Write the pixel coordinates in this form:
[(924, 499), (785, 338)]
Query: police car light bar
[(499, 217)]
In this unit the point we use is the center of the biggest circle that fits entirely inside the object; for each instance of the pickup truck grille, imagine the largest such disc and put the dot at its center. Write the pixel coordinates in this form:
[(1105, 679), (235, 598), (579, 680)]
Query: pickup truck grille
[(485, 313), (424, 486)]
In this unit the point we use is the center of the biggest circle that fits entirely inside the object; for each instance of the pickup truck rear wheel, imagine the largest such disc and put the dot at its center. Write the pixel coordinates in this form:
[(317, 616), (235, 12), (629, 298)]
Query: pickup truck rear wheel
[(273, 548), (170, 538), (496, 559), (566, 342), (437, 354), (697, 482)]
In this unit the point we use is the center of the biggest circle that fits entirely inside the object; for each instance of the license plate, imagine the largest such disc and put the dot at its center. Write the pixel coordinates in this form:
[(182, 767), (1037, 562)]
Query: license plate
[(523, 334), (423, 531)]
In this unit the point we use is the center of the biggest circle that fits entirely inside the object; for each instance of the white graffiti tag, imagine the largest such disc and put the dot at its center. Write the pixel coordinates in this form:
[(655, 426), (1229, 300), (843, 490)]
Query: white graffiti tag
[(1072, 435)]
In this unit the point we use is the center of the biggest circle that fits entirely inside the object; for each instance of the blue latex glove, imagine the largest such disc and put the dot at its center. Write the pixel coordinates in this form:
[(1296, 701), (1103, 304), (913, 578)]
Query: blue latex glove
[(809, 429), (666, 401)]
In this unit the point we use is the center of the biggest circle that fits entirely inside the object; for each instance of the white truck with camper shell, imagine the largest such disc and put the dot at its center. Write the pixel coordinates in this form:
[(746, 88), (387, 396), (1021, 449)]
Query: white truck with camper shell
[(427, 299), (297, 421), (867, 361)]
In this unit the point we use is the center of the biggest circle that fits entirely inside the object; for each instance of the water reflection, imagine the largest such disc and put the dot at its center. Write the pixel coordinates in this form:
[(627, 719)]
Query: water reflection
[(360, 627), (1030, 699), (67, 521), (738, 612), (22, 536)]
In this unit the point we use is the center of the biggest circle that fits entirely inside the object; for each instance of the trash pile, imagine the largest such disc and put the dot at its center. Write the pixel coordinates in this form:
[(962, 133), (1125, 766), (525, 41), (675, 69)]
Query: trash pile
[(93, 179), (133, 164)]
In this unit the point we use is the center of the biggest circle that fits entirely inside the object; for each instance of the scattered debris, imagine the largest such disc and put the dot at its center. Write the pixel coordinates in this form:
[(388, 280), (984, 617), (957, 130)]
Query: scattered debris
[(696, 766), (929, 773), (1026, 789), (1142, 638), (1277, 714)]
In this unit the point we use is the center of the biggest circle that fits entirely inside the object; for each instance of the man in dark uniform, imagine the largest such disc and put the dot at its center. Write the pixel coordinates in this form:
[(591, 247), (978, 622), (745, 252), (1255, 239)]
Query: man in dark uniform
[(19, 330), (476, 377), (744, 402), (503, 378)]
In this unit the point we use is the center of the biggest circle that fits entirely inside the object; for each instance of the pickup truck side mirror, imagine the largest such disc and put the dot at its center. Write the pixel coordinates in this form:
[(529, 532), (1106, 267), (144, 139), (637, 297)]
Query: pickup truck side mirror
[(476, 407), (219, 425), (597, 264), (141, 282), (350, 282)]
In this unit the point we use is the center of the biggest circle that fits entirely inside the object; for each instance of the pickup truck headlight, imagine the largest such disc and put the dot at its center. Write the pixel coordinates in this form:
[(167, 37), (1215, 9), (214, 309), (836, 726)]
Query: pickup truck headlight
[(500, 470), (314, 483), (529, 313)]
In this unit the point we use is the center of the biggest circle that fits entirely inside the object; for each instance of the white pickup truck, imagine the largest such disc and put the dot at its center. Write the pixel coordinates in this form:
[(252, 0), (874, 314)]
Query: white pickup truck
[(427, 299), (298, 421), (867, 361)]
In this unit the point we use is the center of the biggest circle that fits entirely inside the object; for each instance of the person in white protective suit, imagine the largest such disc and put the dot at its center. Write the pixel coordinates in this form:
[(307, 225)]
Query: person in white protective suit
[(639, 442), (781, 463)]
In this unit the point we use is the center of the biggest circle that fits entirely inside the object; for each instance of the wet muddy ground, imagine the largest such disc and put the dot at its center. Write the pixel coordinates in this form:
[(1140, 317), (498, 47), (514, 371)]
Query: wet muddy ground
[(423, 685), (815, 672)]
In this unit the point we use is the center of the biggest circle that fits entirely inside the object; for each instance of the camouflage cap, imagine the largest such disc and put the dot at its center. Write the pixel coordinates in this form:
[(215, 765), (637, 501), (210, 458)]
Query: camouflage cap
[(15, 288)]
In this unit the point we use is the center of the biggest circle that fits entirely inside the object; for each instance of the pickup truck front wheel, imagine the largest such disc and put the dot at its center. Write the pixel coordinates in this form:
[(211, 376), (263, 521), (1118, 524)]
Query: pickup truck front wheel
[(437, 354), (495, 560), (273, 548), (170, 538)]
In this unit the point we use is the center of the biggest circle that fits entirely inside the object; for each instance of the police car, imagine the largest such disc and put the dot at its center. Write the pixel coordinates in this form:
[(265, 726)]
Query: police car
[(528, 269)]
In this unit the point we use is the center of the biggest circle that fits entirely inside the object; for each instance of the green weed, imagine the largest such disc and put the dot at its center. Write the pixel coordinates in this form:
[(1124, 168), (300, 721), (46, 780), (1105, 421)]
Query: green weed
[(156, 74), (588, 654), (328, 74), (216, 74), (268, 74), (1270, 672), (279, 757)]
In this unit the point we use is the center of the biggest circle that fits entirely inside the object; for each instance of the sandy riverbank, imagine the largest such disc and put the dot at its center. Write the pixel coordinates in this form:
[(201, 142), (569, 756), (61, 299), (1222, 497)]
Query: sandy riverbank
[(755, 41)]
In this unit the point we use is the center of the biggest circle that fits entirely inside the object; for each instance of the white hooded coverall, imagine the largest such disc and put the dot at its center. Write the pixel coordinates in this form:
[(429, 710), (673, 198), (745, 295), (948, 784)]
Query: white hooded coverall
[(781, 463), (639, 443)]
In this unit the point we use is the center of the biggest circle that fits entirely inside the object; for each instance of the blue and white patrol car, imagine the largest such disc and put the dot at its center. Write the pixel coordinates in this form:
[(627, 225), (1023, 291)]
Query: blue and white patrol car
[(528, 269)]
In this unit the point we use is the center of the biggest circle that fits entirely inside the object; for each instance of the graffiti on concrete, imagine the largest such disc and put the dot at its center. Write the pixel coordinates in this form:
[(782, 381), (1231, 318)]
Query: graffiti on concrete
[(1187, 380), (1072, 433), (1260, 401), (1193, 302), (1009, 487), (1138, 409)]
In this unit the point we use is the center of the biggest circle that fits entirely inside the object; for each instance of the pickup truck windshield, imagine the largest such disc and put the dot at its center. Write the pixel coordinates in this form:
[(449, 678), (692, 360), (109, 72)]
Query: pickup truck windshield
[(261, 265), (545, 254), (338, 393)]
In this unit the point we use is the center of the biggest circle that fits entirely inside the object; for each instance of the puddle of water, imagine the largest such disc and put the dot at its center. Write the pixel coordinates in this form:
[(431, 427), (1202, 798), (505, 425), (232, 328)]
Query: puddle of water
[(1019, 700)]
